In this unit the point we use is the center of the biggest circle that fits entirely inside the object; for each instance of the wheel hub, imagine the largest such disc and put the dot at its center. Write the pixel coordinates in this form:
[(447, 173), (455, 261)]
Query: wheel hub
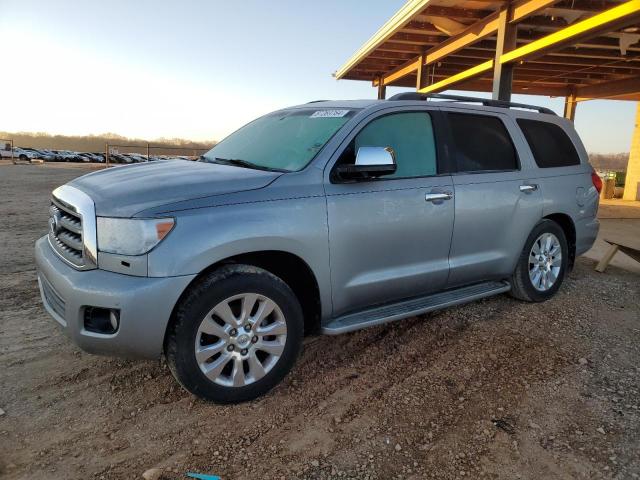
[(243, 341), (240, 340), (545, 261)]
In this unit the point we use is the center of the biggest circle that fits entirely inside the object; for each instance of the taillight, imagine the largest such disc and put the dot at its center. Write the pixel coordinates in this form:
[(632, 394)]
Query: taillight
[(597, 181)]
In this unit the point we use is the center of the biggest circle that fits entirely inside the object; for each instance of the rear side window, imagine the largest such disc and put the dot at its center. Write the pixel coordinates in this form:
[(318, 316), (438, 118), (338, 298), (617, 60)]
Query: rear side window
[(482, 143), (411, 136), (550, 145)]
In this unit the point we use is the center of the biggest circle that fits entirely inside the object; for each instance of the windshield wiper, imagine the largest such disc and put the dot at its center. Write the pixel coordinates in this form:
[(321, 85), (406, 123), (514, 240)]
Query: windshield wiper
[(237, 162)]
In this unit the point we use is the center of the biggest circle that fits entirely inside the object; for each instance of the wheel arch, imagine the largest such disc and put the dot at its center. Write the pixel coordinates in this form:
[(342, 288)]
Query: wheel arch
[(569, 228), (292, 269)]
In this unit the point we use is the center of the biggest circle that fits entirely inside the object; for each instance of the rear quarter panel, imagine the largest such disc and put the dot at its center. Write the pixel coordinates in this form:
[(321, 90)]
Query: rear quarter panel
[(569, 190)]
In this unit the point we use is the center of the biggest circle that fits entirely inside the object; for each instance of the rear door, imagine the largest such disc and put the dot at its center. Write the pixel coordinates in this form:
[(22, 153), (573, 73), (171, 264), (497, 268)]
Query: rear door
[(497, 201), (386, 241)]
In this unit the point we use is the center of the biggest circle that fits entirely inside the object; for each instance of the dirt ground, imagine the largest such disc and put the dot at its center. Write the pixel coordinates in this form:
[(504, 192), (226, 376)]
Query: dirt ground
[(495, 389)]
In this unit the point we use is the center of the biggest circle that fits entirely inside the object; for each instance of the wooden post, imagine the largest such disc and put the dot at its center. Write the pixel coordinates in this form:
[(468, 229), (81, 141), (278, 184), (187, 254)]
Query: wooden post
[(604, 262), (506, 41), (382, 90), (570, 104), (632, 181), (106, 154), (147, 151), (422, 79)]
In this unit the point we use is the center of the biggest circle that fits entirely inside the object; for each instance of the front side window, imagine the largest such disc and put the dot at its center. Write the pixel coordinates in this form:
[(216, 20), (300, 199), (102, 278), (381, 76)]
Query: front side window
[(482, 143), (286, 140), (411, 137), (550, 145)]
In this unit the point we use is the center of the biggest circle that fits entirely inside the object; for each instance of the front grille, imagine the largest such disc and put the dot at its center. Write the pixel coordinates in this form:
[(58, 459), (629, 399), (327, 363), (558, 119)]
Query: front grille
[(65, 233), (53, 299), (72, 227)]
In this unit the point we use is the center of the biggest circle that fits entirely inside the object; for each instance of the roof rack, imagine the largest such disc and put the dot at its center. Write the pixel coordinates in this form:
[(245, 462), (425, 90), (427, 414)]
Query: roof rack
[(459, 98), (317, 101)]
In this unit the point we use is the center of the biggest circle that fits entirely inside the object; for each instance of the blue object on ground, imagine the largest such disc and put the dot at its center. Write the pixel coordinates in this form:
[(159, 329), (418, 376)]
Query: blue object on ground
[(201, 476)]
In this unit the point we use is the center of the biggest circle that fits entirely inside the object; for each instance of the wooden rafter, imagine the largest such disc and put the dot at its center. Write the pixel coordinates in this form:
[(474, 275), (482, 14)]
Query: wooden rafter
[(482, 28), (620, 15), (562, 46)]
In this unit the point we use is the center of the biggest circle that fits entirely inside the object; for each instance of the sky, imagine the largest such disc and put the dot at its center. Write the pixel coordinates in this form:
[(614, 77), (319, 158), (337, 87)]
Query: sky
[(201, 69)]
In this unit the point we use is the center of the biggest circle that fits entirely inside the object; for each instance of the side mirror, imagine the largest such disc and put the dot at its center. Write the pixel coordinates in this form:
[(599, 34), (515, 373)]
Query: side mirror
[(370, 162)]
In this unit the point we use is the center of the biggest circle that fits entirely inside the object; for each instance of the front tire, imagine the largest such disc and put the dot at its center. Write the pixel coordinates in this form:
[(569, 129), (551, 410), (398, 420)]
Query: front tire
[(542, 264), (236, 334)]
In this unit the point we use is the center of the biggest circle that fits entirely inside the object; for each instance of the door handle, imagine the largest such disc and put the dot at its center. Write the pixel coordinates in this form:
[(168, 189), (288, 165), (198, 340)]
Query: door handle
[(435, 197), (528, 188)]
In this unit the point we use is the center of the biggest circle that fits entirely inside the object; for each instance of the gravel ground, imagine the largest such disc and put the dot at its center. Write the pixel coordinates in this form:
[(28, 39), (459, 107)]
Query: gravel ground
[(493, 389)]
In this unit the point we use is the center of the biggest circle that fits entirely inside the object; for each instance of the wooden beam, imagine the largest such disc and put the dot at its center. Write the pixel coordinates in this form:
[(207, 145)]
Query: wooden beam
[(417, 38), (506, 41), (570, 104), (382, 90), (420, 27), (615, 17), (523, 88), (455, 12), (471, 35), (581, 5), (601, 42), (614, 89), (466, 74), (481, 29), (542, 65), (523, 72), (402, 71), (400, 47), (422, 77)]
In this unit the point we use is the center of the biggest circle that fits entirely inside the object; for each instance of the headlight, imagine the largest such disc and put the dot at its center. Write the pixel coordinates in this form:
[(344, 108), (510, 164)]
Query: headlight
[(129, 236)]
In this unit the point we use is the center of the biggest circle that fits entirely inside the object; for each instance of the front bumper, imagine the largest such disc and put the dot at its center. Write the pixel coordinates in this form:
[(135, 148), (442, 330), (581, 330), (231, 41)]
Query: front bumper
[(145, 304)]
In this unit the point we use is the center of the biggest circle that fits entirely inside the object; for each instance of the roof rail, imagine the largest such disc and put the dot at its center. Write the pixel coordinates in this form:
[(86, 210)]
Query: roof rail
[(459, 98), (317, 101)]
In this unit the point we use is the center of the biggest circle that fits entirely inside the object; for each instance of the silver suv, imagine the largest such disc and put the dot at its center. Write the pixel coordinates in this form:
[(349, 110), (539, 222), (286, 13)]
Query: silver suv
[(329, 216)]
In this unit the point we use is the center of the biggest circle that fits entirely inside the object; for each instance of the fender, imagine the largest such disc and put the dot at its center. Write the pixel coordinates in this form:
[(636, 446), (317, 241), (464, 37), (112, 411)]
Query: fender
[(203, 237)]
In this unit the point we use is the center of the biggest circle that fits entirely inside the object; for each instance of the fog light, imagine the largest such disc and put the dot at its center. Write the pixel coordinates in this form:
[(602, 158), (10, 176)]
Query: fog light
[(101, 320)]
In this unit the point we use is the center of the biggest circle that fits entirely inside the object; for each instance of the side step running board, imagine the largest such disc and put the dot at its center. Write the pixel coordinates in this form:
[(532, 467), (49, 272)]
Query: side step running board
[(415, 306)]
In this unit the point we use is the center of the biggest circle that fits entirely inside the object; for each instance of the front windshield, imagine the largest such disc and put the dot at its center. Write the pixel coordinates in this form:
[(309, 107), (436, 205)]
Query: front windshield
[(286, 140)]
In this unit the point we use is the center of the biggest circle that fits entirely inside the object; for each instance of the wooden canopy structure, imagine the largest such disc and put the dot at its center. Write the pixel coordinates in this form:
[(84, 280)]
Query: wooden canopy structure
[(577, 49)]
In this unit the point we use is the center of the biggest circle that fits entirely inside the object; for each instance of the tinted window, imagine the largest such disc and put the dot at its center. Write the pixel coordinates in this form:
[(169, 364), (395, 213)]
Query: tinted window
[(411, 137), (481, 143), (550, 145)]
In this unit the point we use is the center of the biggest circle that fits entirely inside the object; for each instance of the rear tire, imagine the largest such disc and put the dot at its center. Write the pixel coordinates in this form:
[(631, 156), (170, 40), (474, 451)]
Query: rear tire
[(236, 334), (542, 264)]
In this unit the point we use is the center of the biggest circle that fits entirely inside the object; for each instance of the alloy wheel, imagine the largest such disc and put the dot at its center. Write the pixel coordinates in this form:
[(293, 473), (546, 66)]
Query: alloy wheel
[(545, 262), (240, 340)]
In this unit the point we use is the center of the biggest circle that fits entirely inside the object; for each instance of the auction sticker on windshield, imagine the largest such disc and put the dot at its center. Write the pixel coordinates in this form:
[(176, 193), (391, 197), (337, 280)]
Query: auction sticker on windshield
[(329, 113)]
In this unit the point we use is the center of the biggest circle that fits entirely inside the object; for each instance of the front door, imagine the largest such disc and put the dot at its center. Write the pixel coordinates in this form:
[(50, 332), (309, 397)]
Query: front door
[(388, 239)]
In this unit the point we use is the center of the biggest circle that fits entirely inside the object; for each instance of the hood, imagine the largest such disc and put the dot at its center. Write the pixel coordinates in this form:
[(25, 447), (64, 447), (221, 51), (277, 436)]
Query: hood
[(127, 190)]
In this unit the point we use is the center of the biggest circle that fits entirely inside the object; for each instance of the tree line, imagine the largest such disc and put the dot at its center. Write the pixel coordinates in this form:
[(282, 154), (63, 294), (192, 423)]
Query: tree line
[(609, 161), (96, 143)]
